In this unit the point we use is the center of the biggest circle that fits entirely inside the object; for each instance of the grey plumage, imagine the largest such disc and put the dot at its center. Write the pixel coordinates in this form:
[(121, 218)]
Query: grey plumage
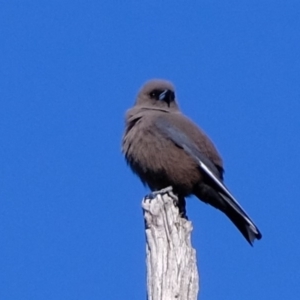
[(165, 148)]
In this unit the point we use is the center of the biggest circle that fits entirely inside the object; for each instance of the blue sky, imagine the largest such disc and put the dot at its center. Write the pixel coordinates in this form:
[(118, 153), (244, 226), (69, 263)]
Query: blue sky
[(71, 224)]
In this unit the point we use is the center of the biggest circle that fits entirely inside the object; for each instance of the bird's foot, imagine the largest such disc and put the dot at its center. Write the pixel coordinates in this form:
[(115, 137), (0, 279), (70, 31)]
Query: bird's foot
[(178, 201), (182, 208), (167, 190)]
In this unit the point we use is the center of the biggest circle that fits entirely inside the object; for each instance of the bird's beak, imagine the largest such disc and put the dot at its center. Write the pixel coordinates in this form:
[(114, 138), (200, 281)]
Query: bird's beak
[(163, 95)]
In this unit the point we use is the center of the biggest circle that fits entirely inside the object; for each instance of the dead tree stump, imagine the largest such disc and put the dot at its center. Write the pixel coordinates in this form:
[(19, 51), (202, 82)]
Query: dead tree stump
[(171, 261)]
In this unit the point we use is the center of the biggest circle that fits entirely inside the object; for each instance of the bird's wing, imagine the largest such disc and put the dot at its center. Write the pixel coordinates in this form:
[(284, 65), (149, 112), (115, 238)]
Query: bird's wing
[(179, 138), (182, 140), (210, 171)]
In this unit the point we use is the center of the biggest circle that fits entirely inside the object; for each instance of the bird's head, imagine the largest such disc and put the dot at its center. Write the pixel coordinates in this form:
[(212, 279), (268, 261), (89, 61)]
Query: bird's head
[(157, 93)]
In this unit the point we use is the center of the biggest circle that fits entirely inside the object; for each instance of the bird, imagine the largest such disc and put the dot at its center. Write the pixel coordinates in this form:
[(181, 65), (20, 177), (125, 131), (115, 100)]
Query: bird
[(166, 148)]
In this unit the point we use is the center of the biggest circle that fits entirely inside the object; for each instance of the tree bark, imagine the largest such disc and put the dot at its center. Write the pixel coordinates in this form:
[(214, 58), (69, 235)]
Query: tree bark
[(171, 261)]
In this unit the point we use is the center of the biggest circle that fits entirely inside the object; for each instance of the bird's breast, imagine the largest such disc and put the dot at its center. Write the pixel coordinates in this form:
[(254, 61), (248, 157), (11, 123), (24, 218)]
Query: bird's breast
[(157, 160)]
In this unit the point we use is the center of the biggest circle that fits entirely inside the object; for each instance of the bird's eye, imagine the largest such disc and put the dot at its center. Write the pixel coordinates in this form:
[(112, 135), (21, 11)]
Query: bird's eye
[(154, 95)]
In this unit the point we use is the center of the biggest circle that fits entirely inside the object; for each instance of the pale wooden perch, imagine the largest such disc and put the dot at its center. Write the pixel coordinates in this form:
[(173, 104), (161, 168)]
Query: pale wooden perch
[(171, 260)]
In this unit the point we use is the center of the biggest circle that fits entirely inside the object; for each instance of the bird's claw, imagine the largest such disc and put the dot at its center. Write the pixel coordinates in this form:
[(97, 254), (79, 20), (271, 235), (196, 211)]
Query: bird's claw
[(167, 190)]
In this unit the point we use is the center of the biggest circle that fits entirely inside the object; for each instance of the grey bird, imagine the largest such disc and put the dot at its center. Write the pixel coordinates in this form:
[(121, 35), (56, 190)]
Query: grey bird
[(165, 148)]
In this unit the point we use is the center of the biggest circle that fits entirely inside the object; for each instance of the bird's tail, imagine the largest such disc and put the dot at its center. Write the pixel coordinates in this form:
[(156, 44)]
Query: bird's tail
[(240, 219), (231, 208)]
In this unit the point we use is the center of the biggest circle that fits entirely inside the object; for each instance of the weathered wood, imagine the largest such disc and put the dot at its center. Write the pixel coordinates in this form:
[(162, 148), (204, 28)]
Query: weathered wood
[(171, 261)]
